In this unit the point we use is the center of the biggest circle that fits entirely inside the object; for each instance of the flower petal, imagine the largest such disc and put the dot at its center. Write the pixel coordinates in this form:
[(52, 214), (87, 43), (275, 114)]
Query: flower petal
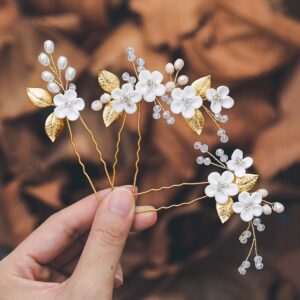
[(247, 162), (256, 197), (211, 190), (117, 106), (59, 99), (72, 114), (117, 94), (221, 198), (157, 76), (78, 104), (189, 91), (223, 91), (144, 75), (188, 111), (141, 87), (149, 96), (227, 102), (176, 107), (244, 197), (135, 96), (231, 165), (257, 210), (215, 107), (237, 154), (127, 87), (232, 189), (159, 89), (196, 101), (239, 171), (130, 108), (247, 215), (177, 94), (227, 176), (237, 207), (60, 112), (214, 178), (210, 93), (70, 94)]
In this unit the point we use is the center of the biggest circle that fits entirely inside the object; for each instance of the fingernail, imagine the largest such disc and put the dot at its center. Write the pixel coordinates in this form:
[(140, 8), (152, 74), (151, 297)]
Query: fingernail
[(118, 281), (120, 202)]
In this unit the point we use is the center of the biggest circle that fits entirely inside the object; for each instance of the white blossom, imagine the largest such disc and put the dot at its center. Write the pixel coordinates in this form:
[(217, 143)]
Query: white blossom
[(219, 98), (221, 186), (68, 105), (125, 99), (185, 101), (248, 206), (149, 85), (238, 164)]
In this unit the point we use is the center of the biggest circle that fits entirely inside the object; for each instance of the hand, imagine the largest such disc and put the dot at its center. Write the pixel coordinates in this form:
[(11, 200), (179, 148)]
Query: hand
[(74, 254)]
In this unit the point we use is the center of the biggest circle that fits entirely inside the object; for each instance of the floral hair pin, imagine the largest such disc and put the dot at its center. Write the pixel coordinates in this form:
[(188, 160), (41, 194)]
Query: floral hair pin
[(232, 189)]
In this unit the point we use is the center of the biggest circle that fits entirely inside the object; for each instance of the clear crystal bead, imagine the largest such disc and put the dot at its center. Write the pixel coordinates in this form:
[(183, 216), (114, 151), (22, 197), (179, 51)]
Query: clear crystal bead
[(170, 120), (140, 68), (247, 233), (125, 76), (204, 148), (140, 61), (243, 240), (259, 266), (256, 221), (207, 161), (166, 114), (242, 270), (197, 145), (130, 50), (72, 86), (156, 108), (246, 264), (258, 259), (132, 80), (219, 152), (221, 132), (224, 139), (156, 116), (224, 119), (131, 57), (200, 160), (224, 158), (261, 227)]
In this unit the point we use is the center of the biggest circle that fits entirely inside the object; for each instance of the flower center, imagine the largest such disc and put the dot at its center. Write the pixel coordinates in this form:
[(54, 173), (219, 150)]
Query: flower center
[(68, 103), (187, 101), (222, 186), (217, 98), (239, 161), (151, 84), (126, 100)]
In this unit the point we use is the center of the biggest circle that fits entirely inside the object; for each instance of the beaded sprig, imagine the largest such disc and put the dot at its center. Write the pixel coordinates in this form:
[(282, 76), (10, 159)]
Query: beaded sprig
[(174, 97)]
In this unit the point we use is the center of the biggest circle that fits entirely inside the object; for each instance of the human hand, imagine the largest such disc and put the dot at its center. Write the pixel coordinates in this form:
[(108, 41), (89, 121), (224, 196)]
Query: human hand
[(75, 253)]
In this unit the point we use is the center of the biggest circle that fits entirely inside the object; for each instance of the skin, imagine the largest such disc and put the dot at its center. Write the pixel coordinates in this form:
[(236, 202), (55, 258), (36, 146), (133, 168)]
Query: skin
[(75, 253)]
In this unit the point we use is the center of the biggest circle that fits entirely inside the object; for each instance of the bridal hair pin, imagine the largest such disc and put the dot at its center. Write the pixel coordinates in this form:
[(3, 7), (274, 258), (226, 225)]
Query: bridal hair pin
[(173, 97)]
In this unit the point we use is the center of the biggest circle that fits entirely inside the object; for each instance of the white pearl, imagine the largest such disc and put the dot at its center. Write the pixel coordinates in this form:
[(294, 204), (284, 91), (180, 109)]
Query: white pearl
[(170, 85), (53, 87), (70, 73), (264, 193), (44, 59), (169, 68), (267, 210), (49, 46), (47, 76), (182, 80), (179, 63), (62, 62), (96, 105), (105, 98), (278, 207)]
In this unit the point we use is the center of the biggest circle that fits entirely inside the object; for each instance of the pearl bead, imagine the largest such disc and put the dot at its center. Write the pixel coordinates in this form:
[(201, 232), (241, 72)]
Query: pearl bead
[(105, 98), (170, 85), (44, 59), (53, 87), (278, 207), (96, 105), (70, 73), (49, 46), (182, 80), (62, 62), (179, 63), (47, 76), (219, 152), (72, 86), (267, 210), (169, 68), (264, 193)]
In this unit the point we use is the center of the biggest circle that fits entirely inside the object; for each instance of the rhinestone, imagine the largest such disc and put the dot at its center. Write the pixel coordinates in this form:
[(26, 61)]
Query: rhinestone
[(256, 221)]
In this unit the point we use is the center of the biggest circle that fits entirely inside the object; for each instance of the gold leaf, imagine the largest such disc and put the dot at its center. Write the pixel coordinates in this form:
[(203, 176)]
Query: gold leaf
[(110, 115), (201, 85), (39, 97), (225, 210), (247, 182), (53, 126), (108, 81), (196, 123)]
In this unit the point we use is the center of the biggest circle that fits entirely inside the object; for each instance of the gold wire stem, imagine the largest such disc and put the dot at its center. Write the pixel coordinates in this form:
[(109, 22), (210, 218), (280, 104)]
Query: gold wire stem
[(170, 186), (254, 238), (250, 251), (81, 163), (138, 146), (67, 83), (211, 116), (156, 101), (98, 150), (135, 70), (267, 202), (58, 74), (117, 150), (170, 206), (176, 76), (222, 165)]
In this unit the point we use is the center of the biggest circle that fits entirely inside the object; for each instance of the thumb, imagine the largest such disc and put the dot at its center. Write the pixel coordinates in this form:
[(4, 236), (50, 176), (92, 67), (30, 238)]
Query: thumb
[(95, 271)]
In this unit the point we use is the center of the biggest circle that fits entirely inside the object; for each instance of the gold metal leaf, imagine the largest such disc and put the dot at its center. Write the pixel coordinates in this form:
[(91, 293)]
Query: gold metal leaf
[(225, 210), (108, 81), (39, 97), (201, 85), (196, 123), (53, 126), (247, 182), (110, 115)]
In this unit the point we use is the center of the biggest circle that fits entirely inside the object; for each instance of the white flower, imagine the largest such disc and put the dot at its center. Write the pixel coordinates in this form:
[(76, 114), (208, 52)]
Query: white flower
[(185, 101), (149, 85), (219, 98), (238, 164), (68, 105), (248, 206), (125, 99), (221, 186)]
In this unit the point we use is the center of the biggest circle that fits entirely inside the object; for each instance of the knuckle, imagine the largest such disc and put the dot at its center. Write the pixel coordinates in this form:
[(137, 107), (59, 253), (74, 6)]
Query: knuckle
[(110, 235)]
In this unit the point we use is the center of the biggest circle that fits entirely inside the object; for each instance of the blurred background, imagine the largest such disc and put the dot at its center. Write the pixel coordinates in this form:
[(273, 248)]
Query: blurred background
[(251, 46)]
